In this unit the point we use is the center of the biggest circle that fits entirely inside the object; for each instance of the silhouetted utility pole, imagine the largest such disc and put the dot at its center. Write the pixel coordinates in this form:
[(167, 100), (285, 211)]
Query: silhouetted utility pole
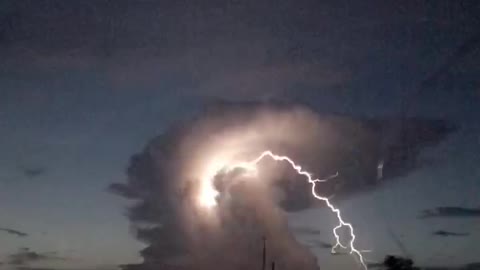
[(273, 265), (264, 255)]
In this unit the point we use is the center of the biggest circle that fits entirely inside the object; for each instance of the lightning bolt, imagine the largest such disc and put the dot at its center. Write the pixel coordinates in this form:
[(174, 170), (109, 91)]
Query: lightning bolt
[(313, 181)]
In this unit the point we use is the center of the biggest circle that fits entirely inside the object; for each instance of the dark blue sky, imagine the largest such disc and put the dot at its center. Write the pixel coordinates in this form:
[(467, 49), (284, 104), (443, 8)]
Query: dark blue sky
[(85, 85)]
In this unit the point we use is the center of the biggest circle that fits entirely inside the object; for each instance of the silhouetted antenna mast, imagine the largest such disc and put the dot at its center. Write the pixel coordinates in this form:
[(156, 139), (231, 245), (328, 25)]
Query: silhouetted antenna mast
[(264, 254)]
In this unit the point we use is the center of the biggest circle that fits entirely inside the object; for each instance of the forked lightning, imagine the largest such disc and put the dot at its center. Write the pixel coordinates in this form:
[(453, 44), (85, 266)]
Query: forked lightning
[(313, 181)]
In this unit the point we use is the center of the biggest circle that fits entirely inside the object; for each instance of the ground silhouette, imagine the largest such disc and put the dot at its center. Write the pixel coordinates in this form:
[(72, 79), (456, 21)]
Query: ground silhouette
[(398, 263)]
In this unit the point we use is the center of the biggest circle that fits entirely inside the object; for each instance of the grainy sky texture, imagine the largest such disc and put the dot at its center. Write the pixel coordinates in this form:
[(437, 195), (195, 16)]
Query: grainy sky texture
[(84, 85)]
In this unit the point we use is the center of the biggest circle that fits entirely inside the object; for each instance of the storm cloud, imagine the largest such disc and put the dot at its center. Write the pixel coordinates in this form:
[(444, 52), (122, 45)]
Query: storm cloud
[(164, 178), (228, 50)]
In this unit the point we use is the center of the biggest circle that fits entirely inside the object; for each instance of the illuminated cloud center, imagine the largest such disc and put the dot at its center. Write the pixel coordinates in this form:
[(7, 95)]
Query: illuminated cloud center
[(208, 194)]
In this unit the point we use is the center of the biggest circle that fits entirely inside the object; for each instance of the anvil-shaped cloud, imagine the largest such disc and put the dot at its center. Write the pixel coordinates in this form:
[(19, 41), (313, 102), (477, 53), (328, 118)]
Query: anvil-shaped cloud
[(164, 178)]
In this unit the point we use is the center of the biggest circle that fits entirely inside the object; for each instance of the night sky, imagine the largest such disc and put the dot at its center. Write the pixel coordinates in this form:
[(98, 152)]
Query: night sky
[(85, 85)]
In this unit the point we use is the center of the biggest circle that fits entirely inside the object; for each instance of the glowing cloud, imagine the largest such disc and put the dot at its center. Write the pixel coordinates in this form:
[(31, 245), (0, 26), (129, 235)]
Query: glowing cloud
[(208, 195)]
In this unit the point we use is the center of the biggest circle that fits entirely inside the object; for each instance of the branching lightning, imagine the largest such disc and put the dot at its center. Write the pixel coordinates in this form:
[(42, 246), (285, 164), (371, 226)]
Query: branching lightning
[(209, 198)]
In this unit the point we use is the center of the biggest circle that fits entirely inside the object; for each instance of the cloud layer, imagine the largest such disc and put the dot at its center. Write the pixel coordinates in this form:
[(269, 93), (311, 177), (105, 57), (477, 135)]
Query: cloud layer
[(443, 233), (450, 212), (25, 256), (14, 232)]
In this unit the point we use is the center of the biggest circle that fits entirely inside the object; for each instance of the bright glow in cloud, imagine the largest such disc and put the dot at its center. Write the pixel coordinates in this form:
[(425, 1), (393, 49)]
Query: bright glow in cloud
[(208, 194)]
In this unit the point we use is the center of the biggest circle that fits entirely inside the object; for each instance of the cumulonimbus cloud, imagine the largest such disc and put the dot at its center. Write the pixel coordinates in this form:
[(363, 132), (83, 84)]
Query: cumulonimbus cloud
[(163, 178)]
